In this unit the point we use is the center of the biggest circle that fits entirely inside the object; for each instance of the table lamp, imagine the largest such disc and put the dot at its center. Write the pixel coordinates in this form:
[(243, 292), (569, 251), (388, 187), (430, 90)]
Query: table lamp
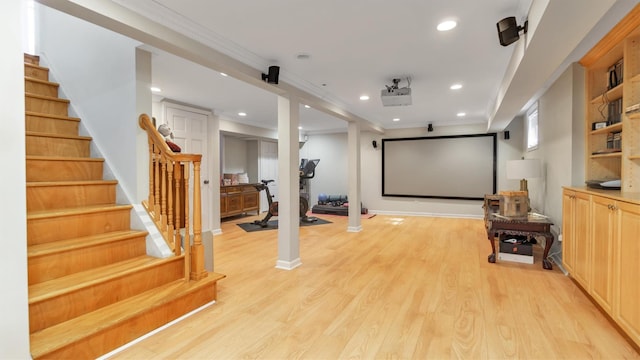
[(524, 169)]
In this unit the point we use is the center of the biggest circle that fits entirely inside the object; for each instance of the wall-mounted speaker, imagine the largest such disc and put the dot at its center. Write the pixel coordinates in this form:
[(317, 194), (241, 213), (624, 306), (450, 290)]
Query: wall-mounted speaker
[(430, 127), (272, 76), (509, 31), (506, 135), (375, 144)]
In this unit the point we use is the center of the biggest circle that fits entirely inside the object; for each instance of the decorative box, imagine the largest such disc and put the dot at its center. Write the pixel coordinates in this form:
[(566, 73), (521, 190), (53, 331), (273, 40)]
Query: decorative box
[(514, 204)]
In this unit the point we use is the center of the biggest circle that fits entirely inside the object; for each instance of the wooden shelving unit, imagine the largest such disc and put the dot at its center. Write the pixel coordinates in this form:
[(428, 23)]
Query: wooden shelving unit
[(621, 44)]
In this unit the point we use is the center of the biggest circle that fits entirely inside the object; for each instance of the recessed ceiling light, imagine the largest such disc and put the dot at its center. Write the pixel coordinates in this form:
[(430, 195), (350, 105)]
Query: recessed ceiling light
[(455, 87), (364, 97), (223, 74), (307, 107), (155, 89), (242, 114), (461, 114), (299, 127), (396, 119), (446, 25)]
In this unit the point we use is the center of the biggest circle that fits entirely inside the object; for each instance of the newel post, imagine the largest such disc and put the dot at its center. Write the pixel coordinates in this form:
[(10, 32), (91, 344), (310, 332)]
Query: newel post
[(197, 249)]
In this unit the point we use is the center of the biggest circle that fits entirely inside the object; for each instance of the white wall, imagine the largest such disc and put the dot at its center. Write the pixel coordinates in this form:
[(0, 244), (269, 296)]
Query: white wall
[(331, 173), (561, 143), (96, 68), (235, 155), (14, 328)]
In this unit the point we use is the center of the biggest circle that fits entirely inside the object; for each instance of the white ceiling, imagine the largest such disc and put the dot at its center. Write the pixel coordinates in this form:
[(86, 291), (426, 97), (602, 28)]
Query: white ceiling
[(357, 47)]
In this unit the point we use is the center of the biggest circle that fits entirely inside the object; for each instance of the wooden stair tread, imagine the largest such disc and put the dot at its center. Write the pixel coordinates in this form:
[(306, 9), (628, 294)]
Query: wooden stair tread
[(36, 66), (60, 136), (60, 335), (82, 242), (32, 57), (43, 214), (70, 183), (60, 117), (63, 158), (29, 78), (56, 287), (45, 97)]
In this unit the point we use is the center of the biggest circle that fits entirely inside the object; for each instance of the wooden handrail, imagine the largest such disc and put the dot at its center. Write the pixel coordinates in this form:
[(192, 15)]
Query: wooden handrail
[(168, 202)]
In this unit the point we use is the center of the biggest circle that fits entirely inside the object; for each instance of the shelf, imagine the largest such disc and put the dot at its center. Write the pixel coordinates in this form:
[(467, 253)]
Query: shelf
[(609, 155), (613, 94), (634, 116), (635, 78), (611, 128), (634, 157)]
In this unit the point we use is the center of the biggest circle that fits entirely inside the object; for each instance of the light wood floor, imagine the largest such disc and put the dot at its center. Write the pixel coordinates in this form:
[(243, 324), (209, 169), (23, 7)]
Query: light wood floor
[(403, 288)]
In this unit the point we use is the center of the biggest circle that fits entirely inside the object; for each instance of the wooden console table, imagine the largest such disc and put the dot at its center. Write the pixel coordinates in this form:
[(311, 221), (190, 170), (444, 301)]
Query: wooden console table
[(529, 226), (239, 199)]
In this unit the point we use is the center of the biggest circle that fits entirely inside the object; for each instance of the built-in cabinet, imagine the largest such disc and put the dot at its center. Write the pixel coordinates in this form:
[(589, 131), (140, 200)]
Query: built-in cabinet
[(238, 199), (612, 94), (601, 250), (601, 228), (575, 254)]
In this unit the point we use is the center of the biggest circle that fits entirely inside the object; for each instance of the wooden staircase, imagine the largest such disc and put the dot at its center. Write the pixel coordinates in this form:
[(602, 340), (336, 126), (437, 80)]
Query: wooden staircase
[(92, 288)]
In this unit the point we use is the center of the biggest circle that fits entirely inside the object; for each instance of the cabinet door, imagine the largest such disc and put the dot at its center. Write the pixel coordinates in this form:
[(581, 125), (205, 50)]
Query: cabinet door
[(582, 240), (234, 203), (250, 201), (602, 233), (627, 289), (223, 204), (568, 233)]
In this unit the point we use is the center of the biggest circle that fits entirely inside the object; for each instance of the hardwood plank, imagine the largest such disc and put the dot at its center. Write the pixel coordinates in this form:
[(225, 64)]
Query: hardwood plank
[(52, 124), (404, 287)]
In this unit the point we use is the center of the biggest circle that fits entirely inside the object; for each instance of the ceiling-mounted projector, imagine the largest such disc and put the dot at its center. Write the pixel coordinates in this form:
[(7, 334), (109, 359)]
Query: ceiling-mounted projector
[(394, 95)]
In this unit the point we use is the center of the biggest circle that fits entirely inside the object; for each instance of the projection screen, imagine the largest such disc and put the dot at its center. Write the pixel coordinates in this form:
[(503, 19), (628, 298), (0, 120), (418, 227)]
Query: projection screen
[(446, 167)]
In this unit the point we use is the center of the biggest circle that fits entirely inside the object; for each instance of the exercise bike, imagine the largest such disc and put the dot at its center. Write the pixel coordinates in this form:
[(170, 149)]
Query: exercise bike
[(307, 171)]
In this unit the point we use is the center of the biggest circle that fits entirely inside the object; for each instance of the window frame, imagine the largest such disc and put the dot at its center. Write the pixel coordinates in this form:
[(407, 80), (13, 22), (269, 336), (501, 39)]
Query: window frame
[(532, 120)]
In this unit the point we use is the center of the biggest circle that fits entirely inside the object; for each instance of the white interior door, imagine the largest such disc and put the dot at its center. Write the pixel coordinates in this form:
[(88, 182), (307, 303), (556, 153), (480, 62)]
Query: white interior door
[(268, 171), (190, 133)]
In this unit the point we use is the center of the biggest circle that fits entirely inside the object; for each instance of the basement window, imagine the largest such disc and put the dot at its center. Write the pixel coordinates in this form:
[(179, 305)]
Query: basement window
[(532, 127)]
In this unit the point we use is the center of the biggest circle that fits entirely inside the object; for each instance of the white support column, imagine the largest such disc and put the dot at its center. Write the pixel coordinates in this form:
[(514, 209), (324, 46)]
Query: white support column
[(288, 184), (355, 198)]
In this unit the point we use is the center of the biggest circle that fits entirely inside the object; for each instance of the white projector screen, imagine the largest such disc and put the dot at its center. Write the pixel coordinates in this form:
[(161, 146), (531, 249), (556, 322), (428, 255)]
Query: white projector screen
[(446, 167)]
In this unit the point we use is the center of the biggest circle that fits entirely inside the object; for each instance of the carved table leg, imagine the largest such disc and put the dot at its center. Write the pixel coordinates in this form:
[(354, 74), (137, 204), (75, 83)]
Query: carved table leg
[(492, 257), (546, 264)]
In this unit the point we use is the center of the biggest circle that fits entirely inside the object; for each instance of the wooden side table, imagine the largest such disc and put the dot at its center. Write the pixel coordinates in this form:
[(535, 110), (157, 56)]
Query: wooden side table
[(529, 226)]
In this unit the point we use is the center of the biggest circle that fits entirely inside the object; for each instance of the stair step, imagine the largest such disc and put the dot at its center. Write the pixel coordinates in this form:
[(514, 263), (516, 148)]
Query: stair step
[(36, 71), (32, 59), (51, 195), (52, 260), (58, 300), (57, 168), (46, 104), (45, 144), (40, 87), (54, 225), (118, 324), (51, 124)]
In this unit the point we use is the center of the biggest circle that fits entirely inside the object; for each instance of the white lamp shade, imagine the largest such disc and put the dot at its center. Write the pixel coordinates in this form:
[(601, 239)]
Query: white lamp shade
[(524, 169)]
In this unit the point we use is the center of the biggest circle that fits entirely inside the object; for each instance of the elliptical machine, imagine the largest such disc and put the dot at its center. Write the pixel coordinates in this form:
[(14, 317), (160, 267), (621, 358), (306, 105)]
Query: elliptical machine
[(307, 171)]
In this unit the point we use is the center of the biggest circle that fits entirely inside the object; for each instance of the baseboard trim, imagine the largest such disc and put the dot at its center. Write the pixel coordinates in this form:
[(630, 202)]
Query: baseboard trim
[(411, 213), (288, 265)]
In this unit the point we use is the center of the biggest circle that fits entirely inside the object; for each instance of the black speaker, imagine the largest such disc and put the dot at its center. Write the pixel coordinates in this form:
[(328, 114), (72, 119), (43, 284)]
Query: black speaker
[(430, 127), (375, 144), (506, 135), (508, 30), (272, 76)]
